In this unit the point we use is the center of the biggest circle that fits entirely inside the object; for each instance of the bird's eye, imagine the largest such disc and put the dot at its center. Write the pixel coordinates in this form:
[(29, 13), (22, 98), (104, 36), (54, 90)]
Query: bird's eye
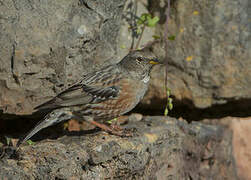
[(139, 59)]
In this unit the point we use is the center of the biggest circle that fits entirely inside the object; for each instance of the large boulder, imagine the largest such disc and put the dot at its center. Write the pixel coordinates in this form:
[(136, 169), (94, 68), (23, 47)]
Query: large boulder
[(241, 135), (209, 55), (47, 45)]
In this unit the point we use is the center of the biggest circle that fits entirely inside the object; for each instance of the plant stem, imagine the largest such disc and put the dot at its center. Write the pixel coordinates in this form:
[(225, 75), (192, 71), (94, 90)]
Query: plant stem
[(166, 48), (140, 37), (166, 38)]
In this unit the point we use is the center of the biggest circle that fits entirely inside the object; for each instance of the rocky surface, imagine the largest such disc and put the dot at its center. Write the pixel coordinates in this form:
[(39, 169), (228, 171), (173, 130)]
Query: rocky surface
[(47, 45), (209, 58), (164, 148), (241, 128)]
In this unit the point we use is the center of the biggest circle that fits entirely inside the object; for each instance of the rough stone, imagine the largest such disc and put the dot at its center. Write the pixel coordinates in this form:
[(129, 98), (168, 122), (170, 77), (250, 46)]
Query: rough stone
[(47, 45), (241, 128), (164, 148), (209, 59)]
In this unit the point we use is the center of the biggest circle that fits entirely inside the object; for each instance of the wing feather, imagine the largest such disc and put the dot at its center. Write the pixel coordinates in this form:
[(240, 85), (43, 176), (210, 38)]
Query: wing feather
[(85, 92)]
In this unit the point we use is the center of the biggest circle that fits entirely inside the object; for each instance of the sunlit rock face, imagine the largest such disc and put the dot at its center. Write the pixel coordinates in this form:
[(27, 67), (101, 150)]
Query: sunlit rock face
[(47, 45), (209, 57)]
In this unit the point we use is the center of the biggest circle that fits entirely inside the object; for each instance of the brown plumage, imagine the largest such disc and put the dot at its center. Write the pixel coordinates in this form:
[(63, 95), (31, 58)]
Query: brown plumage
[(101, 95)]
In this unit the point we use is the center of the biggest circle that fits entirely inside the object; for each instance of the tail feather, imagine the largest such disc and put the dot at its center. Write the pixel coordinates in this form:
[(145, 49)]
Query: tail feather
[(41, 125), (47, 105), (50, 119)]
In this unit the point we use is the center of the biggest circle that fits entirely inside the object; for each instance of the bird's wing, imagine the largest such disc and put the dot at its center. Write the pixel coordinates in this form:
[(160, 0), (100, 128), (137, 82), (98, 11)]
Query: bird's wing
[(80, 95), (86, 91)]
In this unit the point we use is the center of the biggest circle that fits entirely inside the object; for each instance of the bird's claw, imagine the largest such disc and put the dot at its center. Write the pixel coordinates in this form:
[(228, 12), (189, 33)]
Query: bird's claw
[(123, 132)]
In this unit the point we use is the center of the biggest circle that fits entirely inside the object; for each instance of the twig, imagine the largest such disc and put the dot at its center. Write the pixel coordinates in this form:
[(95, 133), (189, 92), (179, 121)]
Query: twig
[(166, 47), (12, 61), (133, 16), (140, 37), (166, 39)]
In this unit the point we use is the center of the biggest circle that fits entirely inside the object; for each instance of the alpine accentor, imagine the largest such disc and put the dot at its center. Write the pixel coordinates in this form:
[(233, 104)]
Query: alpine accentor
[(101, 95)]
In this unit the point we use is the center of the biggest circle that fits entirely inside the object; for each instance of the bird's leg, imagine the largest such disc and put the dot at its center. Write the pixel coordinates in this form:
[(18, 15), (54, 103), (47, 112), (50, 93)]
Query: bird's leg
[(115, 125), (117, 132)]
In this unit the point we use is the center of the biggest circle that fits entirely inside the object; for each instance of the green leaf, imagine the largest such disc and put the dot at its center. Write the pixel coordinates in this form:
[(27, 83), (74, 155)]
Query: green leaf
[(172, 37), (170, 100), (30, 142), (151, 22), (123, 46), (168, 92), (166, 111), (170, 105), (142, 19), (156, 37), (146, 16), (109, 121), (138, 30), (112, 120)]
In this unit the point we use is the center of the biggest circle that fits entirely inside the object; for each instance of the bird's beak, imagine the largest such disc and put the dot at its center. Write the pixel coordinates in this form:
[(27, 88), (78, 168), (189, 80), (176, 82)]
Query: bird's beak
[(154, 61)]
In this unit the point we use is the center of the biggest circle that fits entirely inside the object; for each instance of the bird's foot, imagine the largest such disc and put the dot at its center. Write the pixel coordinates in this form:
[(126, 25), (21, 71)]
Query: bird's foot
[(114, 129), (122, 131)]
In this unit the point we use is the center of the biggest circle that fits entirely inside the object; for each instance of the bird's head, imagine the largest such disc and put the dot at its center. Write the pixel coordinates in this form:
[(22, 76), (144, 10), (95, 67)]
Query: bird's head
[(139, 62)]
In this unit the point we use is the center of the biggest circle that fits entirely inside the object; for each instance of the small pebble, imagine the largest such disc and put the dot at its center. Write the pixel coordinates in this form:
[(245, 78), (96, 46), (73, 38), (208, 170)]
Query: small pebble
[(135, 117)]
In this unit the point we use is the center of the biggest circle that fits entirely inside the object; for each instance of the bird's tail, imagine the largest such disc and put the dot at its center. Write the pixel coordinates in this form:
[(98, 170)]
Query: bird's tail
[(50, 119)]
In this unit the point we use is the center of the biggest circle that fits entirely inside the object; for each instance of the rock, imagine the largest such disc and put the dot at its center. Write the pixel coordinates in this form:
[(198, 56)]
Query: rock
[(241, 146), (241, 128), (209, 58), (164, 148), (47, 45)]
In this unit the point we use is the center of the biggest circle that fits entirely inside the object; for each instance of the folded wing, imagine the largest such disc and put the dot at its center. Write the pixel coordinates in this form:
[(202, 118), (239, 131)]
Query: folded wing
[(80, 95)]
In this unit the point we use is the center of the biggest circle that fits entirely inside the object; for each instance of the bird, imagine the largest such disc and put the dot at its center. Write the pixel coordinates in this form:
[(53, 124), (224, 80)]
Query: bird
[(101, 95)]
